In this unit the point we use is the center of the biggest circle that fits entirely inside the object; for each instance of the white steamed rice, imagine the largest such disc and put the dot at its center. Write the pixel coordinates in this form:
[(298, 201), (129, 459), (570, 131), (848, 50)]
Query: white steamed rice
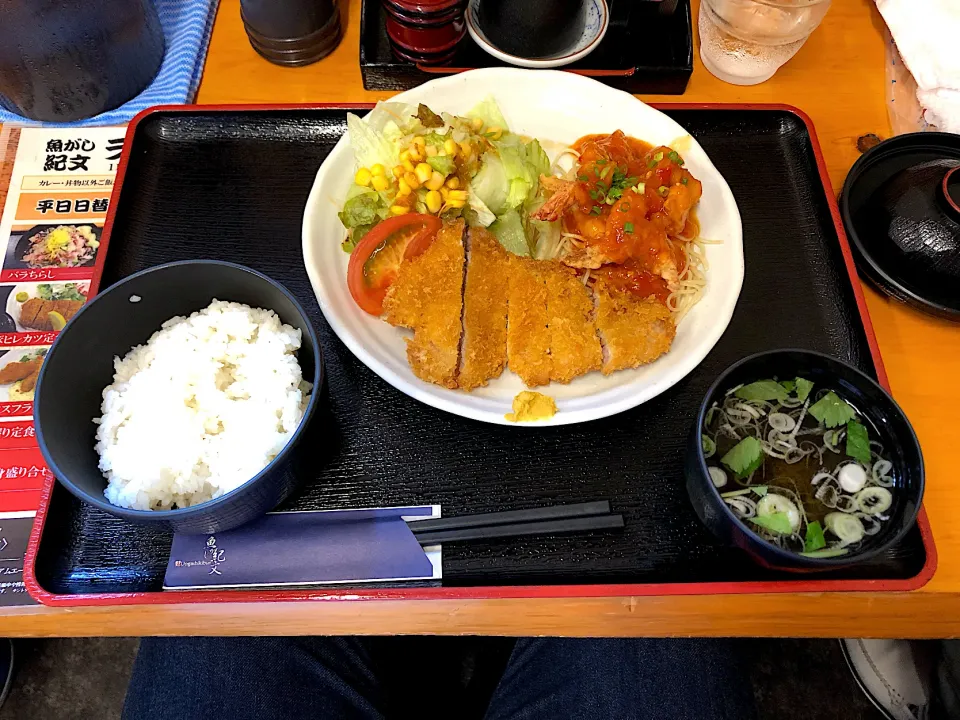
[(200, 409)]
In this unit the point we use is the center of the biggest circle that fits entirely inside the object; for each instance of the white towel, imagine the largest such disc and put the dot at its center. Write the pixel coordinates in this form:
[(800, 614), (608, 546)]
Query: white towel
[(927, 33)]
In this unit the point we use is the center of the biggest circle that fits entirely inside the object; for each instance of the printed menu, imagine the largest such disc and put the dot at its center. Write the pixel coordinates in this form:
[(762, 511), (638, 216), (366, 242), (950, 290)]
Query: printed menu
[(55, 187)]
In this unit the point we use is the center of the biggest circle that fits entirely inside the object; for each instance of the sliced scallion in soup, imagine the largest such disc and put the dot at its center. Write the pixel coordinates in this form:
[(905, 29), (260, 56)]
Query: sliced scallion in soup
[(800, 465)]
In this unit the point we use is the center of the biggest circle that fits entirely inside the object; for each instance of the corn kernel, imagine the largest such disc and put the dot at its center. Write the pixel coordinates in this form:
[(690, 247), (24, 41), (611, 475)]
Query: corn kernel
[(362, 178), (453, 183), (403, 189), (415, 154), (424, 172), (408, 166), (420, 142), (494, 133), (456, 203), (398, 171), (477, 124), (399, 210), (444, 192), (435, 182), (471, 158), (450, 146), (378, 169), (380, 183), (412, 180), (466, 148), (432, 151), (404, 156), (457, 195), (434, 201)]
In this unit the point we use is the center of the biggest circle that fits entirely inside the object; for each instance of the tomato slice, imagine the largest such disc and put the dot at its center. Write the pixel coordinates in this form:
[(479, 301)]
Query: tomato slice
[(376, 259)]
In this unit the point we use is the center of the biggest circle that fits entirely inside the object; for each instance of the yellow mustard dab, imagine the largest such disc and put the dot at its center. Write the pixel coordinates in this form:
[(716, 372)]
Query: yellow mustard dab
[(529, 406)]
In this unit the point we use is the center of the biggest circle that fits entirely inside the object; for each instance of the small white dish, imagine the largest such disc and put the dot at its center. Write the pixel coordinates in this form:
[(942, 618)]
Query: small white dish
[(556, 107), (594, 28)]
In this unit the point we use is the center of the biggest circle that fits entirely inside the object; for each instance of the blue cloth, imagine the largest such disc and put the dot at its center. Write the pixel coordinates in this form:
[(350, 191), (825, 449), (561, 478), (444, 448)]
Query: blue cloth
[(187, 25), (343, 678)]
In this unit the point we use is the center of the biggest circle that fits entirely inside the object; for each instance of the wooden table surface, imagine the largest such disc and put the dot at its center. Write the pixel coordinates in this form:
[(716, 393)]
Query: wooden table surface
[(838, 79)]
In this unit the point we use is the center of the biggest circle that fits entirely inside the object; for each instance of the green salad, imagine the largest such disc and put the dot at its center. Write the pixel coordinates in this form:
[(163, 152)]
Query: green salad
[(413, 160)]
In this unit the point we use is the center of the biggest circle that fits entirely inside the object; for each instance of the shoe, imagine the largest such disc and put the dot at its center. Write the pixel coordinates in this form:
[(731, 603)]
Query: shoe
[(893, 674), (6, 668)]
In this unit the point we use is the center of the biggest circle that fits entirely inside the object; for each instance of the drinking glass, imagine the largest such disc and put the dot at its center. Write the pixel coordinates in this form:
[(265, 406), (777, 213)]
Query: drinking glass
[(744, 42)]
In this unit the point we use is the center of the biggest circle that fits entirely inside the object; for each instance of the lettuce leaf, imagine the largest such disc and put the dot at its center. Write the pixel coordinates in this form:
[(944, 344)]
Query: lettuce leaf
[(491, 184), (481, 214), (537, 159), (488, 111), (508, 229), (545, 237), (443, 164), (375, 137), (360, 210), (523, 164)]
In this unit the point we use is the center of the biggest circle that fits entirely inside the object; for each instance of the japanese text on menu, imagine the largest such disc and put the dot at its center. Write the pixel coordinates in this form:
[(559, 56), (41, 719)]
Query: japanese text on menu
[(57, 201)]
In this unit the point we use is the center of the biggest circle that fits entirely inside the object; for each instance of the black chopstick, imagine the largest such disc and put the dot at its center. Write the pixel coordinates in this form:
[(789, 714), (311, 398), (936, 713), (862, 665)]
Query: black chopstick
[(554, 512), (546, 527)]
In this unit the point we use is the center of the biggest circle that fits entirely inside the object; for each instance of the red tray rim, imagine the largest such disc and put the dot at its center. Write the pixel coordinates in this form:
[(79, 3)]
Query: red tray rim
[(344, 594)]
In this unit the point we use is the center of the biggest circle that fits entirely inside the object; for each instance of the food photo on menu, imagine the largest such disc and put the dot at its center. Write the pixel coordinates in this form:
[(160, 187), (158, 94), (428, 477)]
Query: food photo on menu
[(488, 339), (53, 247)]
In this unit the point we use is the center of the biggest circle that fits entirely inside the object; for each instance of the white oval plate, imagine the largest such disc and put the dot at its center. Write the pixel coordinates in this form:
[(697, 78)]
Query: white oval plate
[(548, 105)]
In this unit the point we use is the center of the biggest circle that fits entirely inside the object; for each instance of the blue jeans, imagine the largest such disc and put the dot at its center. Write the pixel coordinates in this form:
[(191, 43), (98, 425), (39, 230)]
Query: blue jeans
[(299, 678)]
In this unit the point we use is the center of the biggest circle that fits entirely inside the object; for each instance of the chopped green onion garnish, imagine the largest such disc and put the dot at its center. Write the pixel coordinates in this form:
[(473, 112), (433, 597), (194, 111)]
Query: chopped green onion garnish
[(593, 194), (624, 207), (641, 188), (674, 156), (658, 157), (606, 171), (582, 178), (596, 210), (651, 163), (683, 180), (628, 227), (663, 190), (601, 161)]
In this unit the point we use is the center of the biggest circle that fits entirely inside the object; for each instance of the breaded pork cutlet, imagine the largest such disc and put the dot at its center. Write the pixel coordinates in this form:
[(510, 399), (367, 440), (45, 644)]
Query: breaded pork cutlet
[(528, 331), (484, 350), (574, 345), (427, 297), (634, 330)]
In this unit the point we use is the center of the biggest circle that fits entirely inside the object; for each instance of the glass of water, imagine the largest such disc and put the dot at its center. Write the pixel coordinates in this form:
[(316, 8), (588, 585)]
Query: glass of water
[(744, 42)]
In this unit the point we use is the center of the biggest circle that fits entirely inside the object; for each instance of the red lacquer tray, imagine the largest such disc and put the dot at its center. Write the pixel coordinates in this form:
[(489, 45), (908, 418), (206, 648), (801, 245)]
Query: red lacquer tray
[(231, 183)]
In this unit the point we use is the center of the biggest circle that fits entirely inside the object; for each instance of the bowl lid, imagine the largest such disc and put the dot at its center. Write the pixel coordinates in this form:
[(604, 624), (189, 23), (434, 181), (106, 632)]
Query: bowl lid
[(901, 209)]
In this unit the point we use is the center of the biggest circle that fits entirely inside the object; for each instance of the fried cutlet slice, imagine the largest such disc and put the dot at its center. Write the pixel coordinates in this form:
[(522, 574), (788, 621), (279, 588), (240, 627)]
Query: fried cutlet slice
[(30, 381), (427, 297), (484, 351), (528, 331), (67, 308), (19, 370), (574, 345), (634, 331), (29, 311)]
